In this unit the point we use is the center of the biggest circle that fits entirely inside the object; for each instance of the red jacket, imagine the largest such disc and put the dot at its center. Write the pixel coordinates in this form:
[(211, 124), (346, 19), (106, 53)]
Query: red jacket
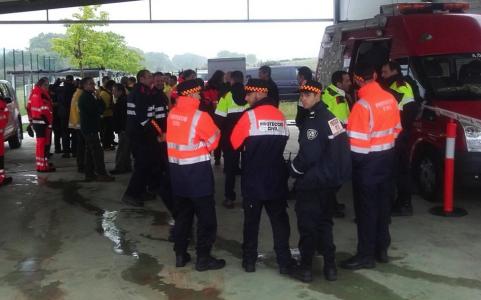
[(39, 107)]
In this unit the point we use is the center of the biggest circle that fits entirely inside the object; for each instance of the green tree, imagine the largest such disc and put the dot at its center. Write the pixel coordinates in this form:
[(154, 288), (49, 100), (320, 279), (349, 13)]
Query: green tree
[(80, 44), (85, 46)]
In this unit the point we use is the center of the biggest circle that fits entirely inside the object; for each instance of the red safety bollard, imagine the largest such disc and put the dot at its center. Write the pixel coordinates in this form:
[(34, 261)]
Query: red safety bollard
[(448, 209)]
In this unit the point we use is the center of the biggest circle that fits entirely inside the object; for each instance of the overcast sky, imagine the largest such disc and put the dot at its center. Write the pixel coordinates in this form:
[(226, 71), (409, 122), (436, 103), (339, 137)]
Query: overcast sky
[(267, 41)]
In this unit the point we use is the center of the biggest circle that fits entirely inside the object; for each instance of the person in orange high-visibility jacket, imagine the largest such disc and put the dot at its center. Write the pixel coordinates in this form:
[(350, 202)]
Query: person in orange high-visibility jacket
[(373, 127), (4, 114), (191, 136), (262, 133), (40, 113)]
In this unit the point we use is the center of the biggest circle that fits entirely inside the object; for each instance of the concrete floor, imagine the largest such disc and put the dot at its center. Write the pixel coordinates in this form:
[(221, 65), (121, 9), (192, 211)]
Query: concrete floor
[(61, 238)]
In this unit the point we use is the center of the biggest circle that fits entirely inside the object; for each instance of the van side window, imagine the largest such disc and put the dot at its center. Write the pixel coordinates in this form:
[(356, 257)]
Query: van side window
[(373, 53)]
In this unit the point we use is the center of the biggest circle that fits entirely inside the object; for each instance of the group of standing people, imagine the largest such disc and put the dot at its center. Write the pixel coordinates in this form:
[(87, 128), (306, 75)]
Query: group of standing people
[(171, 131)]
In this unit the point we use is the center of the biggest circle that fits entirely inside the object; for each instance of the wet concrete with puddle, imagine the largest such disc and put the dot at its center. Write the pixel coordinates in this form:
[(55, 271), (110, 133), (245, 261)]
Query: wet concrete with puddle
[(62, 238)]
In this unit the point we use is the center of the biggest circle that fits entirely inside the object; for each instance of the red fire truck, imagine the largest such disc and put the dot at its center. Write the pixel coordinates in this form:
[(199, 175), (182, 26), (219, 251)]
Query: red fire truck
[(439, 47)]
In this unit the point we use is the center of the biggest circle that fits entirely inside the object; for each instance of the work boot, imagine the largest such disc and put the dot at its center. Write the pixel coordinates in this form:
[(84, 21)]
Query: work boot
[(6, 181), (358, 262), (104, 178), (330, 272), (302, 273), (228, 203), (133, 201), (288, 268), (249, 267), (382, 257), (182, 259), (209, 263)]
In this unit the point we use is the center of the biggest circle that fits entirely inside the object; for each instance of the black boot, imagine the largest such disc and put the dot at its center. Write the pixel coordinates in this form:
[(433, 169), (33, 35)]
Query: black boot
[(382, 257), (249, 267), (330, 272), (209, 263), (302, 273), (182, 259), (288, 268), (358, 262)]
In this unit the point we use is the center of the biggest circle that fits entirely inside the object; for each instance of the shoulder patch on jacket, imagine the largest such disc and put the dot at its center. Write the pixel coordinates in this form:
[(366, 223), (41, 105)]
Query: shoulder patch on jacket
[(336, 126), (311, 134)]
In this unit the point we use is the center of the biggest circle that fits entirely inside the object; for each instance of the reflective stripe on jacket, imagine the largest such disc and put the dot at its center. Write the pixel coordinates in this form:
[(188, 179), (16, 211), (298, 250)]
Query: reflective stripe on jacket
[(191, 136), (262, 133), (374, 122), (404, 89)]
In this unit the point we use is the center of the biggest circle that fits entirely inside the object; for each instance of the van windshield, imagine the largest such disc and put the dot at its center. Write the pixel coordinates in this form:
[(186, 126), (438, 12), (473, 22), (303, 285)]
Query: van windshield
[(454, 76)]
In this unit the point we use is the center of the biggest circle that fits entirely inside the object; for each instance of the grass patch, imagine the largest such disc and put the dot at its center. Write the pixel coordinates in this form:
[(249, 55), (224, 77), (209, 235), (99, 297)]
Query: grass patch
[(289, 109)]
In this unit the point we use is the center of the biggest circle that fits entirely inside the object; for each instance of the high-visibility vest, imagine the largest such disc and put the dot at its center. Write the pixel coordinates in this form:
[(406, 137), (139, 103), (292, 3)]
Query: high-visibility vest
[(39, 107), (336, 102), (405, 90), (374, 122), (191, 133), (228, 106)]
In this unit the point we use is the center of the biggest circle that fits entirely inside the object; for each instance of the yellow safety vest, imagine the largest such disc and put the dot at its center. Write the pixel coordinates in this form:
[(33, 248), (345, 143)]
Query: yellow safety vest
[(336, 102)]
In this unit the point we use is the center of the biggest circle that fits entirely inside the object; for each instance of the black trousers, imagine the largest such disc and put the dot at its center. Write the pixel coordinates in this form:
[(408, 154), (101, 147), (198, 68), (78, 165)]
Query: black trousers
[(163, 182), (372, 205), (281, 230), (402, 174), (146, 168), (94, 156), (314, 209), (204, 209), (80, 146), (150, 171), (122, 157), (231, 170), (107, 133), (67, 136)]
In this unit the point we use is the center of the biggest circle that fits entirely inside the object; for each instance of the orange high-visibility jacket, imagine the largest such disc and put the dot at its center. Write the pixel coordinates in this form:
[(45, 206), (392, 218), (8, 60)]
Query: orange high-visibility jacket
[(374, 122), (191, 136)]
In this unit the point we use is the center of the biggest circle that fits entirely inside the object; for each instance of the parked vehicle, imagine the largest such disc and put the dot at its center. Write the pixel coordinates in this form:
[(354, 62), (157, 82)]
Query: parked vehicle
[(285, 77), (439, 47), (14, 131)]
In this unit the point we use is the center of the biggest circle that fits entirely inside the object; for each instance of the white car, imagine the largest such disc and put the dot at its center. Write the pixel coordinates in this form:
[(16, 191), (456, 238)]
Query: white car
[(13, 132)]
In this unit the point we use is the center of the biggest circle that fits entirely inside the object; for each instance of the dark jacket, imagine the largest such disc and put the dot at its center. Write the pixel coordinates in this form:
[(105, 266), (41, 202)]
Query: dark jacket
[(90, 111), (120, 114), (161, 104), (264, 170), (324, 158), (140, 110)]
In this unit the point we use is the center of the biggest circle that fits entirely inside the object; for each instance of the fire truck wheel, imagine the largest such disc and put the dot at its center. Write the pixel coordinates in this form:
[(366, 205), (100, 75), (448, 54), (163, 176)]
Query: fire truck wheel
[(428, 175)]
